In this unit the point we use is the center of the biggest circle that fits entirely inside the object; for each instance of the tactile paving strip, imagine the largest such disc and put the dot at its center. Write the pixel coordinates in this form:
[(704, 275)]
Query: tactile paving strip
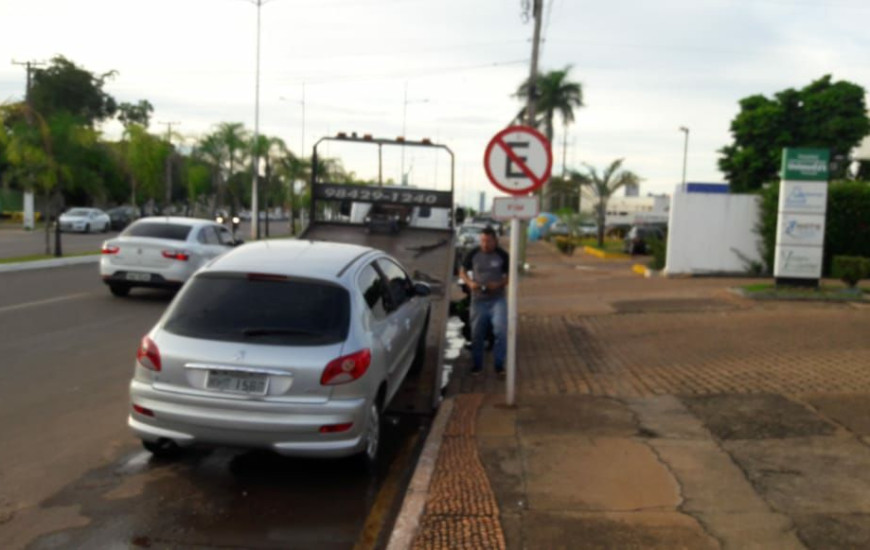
[(461, 511)]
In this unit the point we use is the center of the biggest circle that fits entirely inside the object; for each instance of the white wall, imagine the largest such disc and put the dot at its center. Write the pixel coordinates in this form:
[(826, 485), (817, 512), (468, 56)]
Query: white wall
[(705, 227)]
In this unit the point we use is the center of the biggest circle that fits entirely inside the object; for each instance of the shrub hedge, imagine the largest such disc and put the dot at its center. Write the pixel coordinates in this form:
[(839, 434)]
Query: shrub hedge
[(847, 227)]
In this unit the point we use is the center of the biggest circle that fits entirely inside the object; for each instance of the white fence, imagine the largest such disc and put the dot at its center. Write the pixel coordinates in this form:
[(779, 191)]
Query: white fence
[(712, 233)]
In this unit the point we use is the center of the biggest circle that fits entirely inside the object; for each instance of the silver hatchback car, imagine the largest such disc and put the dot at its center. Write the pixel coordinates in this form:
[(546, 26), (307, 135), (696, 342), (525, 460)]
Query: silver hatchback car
[(293, 346)]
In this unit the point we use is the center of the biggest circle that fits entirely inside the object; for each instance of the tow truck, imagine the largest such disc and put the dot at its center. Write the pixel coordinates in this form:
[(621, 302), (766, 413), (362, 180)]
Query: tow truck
[(413, 225)]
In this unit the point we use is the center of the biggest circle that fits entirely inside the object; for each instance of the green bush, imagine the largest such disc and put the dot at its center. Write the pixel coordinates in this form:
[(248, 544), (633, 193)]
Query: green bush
[(658, 249), (851, 269), (847, 227), (565, 245)]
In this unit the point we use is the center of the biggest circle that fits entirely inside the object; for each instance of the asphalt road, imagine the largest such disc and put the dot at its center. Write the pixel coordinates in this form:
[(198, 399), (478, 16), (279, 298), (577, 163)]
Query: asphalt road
[(17, 242), (72, 476)]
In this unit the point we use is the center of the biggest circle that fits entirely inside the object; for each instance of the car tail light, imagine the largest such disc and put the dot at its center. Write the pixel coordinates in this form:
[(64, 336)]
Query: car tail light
[(346, 369), (109, 249), (143, 411), (181, 255), (335, 428), (148, 356)]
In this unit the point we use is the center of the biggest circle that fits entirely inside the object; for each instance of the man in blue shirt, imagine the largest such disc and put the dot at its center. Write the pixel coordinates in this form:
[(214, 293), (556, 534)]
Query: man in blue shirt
[(485, 271)]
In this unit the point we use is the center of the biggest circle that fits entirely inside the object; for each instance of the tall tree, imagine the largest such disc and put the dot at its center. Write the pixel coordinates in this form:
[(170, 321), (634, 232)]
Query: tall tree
[(824, 114), (139, 113), (554, 93), (64, 86), (233, 138), (600, 187), (269, 150), (293, 170)]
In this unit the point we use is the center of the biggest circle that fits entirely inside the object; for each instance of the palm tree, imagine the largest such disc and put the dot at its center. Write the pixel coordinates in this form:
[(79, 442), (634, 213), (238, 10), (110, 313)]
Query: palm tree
[(270, 150), (233, 137), (293, 169), (211, 150), (553, 93), (601, 187)]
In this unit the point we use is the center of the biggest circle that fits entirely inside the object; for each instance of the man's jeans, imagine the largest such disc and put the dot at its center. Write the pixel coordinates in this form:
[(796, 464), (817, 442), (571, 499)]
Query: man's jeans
[(486, 313)]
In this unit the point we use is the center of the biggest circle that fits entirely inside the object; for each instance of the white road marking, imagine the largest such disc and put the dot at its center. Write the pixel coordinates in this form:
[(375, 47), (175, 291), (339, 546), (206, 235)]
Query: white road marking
[(44, 302)]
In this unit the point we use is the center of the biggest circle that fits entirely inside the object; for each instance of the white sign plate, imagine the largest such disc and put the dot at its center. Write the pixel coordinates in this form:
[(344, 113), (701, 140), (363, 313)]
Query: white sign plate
[(521, 208), (518, 160), (800, 262), (803, 197), (800, 229)]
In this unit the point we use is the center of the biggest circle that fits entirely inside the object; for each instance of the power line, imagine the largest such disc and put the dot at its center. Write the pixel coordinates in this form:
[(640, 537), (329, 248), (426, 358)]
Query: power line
[(29, 66)]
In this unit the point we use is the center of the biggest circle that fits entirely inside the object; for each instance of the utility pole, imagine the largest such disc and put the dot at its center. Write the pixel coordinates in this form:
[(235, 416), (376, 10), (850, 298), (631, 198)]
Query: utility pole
[(169, 160), (28, 66), (510, 395)]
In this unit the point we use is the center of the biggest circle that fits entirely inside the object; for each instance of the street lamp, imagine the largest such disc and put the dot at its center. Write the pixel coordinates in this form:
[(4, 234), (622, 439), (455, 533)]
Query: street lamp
[(302, 101), (255, 213), (685, 152)]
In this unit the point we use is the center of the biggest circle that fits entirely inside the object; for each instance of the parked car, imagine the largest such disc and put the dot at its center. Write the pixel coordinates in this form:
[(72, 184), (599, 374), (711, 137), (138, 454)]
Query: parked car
[(559, 229), (84, 220), (637, 239), (587, 230), (122, 216), (486, 219), (161, 252), (293, 346)]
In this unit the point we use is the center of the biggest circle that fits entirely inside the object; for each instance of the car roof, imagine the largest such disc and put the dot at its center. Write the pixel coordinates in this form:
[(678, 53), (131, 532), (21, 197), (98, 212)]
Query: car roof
[(179, 220), (292, 257)]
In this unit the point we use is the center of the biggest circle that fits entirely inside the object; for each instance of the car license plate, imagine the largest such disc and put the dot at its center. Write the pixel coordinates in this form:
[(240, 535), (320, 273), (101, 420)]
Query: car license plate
[(132, 276), (237, 382)]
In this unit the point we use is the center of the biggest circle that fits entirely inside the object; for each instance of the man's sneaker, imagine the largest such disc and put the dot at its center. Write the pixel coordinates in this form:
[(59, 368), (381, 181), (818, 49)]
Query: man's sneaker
[(475, 371)]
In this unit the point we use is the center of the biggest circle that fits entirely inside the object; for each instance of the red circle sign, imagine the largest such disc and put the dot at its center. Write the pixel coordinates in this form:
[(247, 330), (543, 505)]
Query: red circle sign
[(518, 160)]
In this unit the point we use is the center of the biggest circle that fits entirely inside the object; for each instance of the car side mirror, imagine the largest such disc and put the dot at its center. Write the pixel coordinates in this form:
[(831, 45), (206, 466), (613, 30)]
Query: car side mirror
[(237, 242), (422, 289)]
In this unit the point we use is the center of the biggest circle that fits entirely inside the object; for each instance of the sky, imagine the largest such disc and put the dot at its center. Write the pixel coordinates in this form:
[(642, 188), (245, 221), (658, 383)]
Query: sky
[(447, 70)]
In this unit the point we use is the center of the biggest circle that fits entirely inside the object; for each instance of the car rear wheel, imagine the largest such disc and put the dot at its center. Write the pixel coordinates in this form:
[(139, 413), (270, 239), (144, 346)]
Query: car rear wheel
[(372, 437), (162, 448), (119, 290), (106, 227)]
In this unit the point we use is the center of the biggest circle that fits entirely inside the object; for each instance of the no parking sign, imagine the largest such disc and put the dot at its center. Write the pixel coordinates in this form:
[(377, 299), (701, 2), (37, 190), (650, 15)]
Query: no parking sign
[(518, 160)]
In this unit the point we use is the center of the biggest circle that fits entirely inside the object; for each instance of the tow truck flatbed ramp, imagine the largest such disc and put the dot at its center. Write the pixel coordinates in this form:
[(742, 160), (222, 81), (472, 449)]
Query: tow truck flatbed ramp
[(428, 256), (425, 249)]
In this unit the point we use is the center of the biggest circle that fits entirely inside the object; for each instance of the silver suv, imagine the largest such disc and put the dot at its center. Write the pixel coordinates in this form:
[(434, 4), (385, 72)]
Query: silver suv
[(293, 346)]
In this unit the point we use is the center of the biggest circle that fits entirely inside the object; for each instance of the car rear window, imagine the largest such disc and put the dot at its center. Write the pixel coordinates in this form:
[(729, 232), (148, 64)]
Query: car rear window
[(261, 310), (158, 230)]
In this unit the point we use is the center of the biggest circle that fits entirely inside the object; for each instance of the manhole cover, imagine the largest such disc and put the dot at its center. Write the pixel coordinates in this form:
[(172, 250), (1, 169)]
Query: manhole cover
[(671, 305)]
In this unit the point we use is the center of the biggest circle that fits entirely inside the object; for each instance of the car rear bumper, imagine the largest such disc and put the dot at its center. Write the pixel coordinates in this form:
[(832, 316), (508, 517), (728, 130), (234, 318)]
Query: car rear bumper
[(291, 429), (157, 281)]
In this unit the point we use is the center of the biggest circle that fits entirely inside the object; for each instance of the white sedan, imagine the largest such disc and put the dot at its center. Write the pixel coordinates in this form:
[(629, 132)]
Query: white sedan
[(161, 252), (85, 220)]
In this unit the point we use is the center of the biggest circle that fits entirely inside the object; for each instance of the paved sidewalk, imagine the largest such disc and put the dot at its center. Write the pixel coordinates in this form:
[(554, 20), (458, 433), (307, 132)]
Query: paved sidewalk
[(659, 413)]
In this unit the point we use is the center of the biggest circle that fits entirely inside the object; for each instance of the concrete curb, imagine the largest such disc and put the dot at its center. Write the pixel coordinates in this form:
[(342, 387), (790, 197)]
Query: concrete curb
[(592, 251), (408, 521), (42, 264)]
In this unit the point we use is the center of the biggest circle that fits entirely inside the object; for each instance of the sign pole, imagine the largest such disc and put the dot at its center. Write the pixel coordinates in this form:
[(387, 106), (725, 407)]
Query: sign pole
[(512, 312)]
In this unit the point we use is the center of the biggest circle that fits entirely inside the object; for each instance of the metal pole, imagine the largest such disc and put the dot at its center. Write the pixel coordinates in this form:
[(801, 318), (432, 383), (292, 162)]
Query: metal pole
[(513, 273), (255, 214), (685, 152), (404, 120)]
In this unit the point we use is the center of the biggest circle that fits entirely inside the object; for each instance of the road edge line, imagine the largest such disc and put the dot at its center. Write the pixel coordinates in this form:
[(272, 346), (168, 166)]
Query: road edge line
[(408, 521)]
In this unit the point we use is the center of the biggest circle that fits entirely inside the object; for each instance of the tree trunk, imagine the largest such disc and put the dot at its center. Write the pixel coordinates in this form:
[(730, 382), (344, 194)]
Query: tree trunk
[(602, 217)]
